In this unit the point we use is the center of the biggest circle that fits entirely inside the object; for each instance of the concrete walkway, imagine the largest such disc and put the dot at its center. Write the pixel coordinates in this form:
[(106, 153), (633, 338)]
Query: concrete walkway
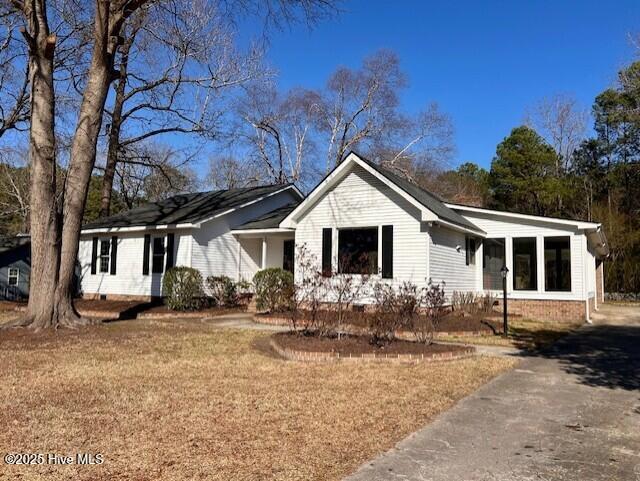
[(571, 413)]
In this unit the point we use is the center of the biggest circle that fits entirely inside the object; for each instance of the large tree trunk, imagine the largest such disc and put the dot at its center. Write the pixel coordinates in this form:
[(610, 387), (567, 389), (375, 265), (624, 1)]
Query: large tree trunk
[(114, 132), (83, 155), (44, 222)]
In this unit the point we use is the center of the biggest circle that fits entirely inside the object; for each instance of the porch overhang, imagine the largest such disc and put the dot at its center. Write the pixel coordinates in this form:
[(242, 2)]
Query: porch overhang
[(277, 231)]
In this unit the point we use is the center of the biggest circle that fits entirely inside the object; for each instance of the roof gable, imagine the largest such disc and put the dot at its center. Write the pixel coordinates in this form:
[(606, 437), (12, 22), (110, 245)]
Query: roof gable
[(432, 208)]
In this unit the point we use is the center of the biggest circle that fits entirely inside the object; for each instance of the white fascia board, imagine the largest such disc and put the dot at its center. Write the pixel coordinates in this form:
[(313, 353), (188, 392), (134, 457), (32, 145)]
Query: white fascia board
[(139, 228), (271, 230), (580, 225), (246, 204), (291, 220), (459, 228)]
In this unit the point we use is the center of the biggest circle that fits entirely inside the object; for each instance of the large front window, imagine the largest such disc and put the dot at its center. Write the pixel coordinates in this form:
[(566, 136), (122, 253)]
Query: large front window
[(492, 261), (557, 264), (524, 264), (358, 251)]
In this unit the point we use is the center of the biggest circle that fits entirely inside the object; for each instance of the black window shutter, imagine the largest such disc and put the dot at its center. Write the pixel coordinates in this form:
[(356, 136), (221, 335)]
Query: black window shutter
[(327, 234), (170, 243), (114, 254), (467, 250), (94, 255), (145, 255), (387, 252)]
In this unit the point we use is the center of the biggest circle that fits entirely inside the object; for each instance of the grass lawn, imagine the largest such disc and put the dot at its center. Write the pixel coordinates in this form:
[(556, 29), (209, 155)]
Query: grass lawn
[(183, 400), (524, 334)]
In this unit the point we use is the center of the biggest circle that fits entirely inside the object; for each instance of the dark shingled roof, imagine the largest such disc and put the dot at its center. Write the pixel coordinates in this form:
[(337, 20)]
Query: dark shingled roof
[(185, 208), (431, 201), (9, 243), (270, 220)]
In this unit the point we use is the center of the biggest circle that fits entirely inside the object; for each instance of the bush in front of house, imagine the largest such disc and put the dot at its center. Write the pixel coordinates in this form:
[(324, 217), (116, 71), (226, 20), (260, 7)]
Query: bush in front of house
[(274, 289), (182, 289), (433, 299), (395, 309), (223, 290)]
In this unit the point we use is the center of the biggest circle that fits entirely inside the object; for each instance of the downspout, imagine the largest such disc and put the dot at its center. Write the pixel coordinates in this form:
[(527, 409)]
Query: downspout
[(585, 278)]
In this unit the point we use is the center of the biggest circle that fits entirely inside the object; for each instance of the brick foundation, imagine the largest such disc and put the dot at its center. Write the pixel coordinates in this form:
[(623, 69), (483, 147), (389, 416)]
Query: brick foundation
[(546, 310), (117, 297)]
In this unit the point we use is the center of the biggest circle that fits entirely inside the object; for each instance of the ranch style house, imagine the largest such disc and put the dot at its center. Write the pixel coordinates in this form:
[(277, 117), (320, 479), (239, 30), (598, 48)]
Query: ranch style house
[(360, 210)]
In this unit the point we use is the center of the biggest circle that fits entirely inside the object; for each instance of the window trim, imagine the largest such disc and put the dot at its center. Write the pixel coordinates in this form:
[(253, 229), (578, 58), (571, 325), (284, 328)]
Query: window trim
[(504, 240), (17, 276), (535, 264), (107, 256), (544, 262), (376, 269)]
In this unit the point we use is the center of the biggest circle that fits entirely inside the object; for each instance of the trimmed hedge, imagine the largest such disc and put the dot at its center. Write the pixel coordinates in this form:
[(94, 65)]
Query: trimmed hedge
[(274, 289), (182, 289)]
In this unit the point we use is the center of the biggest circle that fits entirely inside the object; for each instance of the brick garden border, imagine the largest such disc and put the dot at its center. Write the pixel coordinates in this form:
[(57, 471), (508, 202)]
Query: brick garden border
[(308, 356), (282, 321)]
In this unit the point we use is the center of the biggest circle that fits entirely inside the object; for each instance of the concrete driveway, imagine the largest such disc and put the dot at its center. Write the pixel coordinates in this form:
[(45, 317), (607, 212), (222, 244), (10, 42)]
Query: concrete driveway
[(571, 413)]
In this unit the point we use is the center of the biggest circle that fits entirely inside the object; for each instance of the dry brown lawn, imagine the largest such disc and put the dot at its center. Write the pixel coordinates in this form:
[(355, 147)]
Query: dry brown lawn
[(184, 400), (523, 333)]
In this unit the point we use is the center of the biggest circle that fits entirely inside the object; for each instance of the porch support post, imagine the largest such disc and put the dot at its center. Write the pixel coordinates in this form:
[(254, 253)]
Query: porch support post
[(264, 253)]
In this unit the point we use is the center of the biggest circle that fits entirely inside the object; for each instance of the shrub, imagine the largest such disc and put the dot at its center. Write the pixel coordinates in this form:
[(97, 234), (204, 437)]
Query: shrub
[(464, 301), (182, 289), (487, 301), (433, 299), (383, 322), (308, 292), (223, 290), (393, 310), (274, 289)]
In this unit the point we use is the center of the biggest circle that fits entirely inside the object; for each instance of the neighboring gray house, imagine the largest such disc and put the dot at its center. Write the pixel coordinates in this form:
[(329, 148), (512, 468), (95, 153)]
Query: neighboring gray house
[(15, 267)]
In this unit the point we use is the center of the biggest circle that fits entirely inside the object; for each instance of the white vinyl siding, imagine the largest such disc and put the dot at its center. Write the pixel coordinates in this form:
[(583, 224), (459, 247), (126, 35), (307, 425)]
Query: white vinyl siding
[(361, 200), (216, 250), (448, 261), (510, 228), (128, 279)]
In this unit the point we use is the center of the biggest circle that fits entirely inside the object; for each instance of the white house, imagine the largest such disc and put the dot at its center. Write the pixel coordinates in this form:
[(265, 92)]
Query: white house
[(125, 256), (360, 218)]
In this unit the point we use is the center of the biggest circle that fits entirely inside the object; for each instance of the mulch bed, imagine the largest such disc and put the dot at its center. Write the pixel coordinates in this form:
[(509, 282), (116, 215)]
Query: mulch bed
[(350, 344), (454, 322)]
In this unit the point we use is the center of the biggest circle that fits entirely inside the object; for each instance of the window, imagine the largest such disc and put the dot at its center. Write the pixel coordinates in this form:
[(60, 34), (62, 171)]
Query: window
[(557, 264), (288, 248), (105, 246), (525, 273), (492, 261), (470, 249), (14, 276), (157, 263), (358, 251)]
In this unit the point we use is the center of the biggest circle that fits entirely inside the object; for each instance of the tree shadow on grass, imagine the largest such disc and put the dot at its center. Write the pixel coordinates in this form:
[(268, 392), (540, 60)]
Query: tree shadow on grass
[(604, 356)]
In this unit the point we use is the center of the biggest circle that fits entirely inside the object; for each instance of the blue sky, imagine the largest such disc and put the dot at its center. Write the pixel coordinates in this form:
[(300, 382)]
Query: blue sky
[(484, 63)]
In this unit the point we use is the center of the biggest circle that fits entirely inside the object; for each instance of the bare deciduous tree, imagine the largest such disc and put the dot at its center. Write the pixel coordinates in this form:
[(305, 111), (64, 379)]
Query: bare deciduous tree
[(562, 123), (278, 129), (229, 173), (178, 89), (14, 193)]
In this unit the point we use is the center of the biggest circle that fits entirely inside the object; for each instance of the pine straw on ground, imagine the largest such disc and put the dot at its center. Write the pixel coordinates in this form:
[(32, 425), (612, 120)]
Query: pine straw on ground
[(184, 400)]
